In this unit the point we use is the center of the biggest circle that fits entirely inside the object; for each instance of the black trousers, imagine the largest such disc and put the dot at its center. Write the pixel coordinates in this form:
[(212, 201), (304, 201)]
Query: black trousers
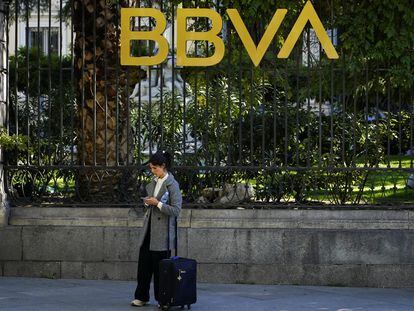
[(148, 265)]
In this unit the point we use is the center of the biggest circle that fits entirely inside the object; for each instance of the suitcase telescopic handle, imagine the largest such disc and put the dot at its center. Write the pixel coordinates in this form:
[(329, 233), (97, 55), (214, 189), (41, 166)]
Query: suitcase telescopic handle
[(176, 235)]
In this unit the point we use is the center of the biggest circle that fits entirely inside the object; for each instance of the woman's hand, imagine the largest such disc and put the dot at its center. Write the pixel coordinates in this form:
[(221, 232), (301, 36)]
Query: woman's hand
[(151, 201)]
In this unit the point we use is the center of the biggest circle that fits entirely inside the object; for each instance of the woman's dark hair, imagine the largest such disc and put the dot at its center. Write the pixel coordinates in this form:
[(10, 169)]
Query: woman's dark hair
[(161, 157)]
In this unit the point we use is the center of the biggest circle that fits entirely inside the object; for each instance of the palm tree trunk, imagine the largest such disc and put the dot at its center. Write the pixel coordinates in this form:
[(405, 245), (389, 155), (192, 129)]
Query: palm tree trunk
[(103, 135)]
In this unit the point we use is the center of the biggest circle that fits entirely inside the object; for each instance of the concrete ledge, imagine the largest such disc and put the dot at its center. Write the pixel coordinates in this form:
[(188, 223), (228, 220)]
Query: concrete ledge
[(11, 243), (110, 270), (72, 270), (49, 243), (305, 219), (92, 217), (309, 247), (32, 269), (326, 275), (300, 246), (240, 219)]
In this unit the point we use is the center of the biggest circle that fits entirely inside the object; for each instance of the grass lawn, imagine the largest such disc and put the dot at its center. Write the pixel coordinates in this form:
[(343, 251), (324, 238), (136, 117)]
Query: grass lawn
[(383, 187)]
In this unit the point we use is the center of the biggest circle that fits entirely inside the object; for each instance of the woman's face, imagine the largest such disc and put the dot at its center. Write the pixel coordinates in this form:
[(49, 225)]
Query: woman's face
[(157, 170)]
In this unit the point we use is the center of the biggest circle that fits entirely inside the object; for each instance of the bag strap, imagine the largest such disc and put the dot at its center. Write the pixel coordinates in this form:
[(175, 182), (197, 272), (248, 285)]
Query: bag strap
[(176, 232)]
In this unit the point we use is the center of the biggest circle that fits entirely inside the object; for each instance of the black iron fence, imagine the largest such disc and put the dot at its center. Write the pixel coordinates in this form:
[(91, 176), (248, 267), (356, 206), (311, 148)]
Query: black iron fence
[(300, 131)]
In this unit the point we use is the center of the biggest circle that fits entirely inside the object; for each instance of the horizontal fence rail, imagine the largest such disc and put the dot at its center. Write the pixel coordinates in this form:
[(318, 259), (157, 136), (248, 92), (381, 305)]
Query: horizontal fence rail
[(302, 131)]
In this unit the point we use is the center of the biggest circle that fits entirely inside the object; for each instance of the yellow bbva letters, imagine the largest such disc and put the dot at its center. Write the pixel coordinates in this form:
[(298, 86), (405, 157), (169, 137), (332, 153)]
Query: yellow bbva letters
[(211, 36), (256, 54), (308, 14), (155, 35)]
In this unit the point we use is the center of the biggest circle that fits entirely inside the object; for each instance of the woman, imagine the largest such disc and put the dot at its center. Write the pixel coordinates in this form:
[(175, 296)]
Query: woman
[(162, 204)]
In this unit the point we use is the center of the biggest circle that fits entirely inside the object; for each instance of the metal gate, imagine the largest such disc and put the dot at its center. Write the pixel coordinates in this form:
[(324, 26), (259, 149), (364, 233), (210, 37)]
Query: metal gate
[(303, 131)]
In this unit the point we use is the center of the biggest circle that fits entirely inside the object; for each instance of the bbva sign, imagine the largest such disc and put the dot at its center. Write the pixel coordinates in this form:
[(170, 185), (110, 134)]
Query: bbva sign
[(256, 53)]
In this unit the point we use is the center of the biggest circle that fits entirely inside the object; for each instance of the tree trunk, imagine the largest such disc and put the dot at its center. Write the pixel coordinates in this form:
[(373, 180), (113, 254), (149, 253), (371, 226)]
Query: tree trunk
[(102, 112)]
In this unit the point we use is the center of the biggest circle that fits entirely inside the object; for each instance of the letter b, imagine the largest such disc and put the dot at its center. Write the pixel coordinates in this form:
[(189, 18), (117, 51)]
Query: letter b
[(211, 36), (155, 35)]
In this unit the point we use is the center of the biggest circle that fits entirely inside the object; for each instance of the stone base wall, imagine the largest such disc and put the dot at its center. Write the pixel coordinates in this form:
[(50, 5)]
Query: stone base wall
[(304, 247)]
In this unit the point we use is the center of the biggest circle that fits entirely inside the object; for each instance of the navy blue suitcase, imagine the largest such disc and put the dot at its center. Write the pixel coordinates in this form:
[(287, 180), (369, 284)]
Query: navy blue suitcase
[(177, 279), (178, 282)]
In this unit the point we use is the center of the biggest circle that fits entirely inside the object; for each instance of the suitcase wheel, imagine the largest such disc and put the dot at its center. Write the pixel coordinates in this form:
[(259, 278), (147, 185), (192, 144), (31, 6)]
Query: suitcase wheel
[(188, 307)]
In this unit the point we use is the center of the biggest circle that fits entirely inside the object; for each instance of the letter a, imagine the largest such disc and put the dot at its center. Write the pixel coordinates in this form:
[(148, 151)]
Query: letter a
[(211, 36), (308, 14), (256, 54), (155, 35)]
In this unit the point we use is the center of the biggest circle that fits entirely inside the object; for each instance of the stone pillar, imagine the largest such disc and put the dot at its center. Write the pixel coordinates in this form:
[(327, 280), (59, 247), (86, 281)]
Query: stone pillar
[(4, 210)]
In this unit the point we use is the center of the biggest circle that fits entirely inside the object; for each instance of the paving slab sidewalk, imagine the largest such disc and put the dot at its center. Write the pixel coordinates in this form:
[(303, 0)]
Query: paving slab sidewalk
[(51, 295)]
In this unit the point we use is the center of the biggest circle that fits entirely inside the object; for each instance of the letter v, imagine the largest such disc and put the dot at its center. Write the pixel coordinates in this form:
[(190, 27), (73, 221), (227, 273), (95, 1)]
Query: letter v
[(308, 14), (256, 54)]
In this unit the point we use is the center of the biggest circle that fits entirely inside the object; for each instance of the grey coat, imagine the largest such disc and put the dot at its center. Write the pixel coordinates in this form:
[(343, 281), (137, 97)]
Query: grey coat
[(170, 196)]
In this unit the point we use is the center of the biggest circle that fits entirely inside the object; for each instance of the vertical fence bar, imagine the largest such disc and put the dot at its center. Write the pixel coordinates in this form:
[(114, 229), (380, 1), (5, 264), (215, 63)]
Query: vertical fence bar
[(275, 108), (332, 86), (298, 104), (72, 86), (240, 109), (140, 147), (173, 78), (94, 81), (62, 143), (411, 103), (195, 96), (320, 128), (150, 99), (7, 86), (229, 103), (16, 68), (332, 111), (206, 112), (117, 65), (160, 74), (286, 113), (252, 112), (344, 109), (376, 115), (388, 84), (5, 68), (184, 116), (105, 56), (39, 95), (82, 104), (49, 100), (217, 98), (354, 120), (399, 129), (126, 114), (27, 32), (263, 107), (275, 114), (366, 114), (308, 98)]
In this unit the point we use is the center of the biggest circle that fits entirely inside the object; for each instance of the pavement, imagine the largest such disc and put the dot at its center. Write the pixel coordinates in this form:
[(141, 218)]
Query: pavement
[(47, 294)]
